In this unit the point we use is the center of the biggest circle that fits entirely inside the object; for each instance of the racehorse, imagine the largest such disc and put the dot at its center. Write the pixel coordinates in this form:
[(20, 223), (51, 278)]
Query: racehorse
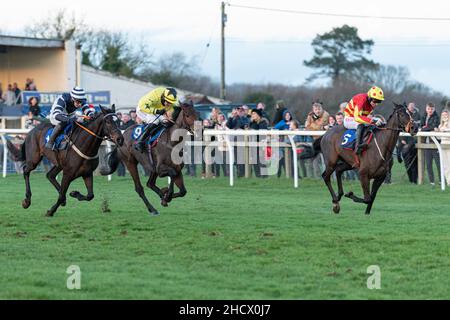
[(374, 163), (80, 159), (158, 162)]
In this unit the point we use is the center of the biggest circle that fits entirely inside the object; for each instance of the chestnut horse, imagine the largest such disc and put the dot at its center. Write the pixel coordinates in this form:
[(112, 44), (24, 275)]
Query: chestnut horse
[(80, 159), (374, 163)]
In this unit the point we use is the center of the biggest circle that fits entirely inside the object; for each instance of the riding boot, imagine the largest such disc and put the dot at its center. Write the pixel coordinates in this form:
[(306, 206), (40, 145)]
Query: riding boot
[(57, 130), (148, 130), (360, 144)]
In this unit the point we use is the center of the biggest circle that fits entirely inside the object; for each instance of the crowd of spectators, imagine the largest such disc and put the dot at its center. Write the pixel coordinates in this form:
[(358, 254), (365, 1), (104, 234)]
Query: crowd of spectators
[(319, 119), (11, 95)]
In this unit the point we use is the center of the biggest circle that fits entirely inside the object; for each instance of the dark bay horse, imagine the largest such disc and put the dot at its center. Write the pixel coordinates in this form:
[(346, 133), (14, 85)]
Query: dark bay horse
[(160, 164), (80, 159), (374, 163)]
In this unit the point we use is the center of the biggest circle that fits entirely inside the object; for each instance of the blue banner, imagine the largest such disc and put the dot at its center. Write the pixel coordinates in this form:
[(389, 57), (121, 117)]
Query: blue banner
[(46, 99)]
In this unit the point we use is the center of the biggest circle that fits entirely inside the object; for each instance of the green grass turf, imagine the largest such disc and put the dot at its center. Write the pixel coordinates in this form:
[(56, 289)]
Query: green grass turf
[(261, 239)]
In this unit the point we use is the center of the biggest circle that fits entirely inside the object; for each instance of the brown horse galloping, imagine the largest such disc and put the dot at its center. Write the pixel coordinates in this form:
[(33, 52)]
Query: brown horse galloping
[(161, 165), (80, 159), (374, 163)]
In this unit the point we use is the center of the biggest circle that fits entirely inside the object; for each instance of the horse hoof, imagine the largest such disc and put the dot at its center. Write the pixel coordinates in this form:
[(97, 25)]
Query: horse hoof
[(349, 194), (164, 203), (49, 214), (154, 213), (26, 203), (63, 204), (336, 208)]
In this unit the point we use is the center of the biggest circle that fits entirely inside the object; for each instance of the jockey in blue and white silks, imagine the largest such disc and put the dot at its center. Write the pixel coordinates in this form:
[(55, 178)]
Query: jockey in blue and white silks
[(64, 105)]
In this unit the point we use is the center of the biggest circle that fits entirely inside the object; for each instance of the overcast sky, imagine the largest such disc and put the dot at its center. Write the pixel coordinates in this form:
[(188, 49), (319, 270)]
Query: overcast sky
[(265, 46)]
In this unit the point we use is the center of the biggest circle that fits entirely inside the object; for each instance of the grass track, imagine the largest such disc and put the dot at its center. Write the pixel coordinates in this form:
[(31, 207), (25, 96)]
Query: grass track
[(261, 239)]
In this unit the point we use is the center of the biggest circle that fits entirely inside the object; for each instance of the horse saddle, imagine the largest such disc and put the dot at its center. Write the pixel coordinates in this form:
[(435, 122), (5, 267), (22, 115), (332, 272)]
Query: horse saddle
[(348, 139), (62, 140), (151, 141)]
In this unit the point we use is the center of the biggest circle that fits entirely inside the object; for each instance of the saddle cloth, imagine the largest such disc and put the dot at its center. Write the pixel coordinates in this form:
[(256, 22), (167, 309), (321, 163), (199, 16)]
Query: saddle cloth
[(59, 141), (138, 130), (348, 139)]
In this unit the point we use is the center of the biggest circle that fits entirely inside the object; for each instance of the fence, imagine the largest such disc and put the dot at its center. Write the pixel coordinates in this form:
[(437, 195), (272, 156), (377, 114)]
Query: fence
[(227, 134)]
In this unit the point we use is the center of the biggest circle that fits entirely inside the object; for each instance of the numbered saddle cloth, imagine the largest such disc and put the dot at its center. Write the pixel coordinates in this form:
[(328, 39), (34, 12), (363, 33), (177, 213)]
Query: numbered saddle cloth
[(59, 141), (138, 130), (348, 140)]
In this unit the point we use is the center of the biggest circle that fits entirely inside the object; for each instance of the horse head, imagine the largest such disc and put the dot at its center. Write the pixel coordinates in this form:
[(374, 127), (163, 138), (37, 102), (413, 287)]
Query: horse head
[(110, 127), (404, 121), (186, 116)]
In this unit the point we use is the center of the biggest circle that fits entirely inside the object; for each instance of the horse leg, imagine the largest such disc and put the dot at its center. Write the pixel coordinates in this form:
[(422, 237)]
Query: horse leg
[(89, 183), (151, 183), (29, 166), (179, 182), (365, 184), (340, 169), (164, 171), (65, 182), (339, 183), (51, 176), (326, 175), (375, 186), (132, 168)]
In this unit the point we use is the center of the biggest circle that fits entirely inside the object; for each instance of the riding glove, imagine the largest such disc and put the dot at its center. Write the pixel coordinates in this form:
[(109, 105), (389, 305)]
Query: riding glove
[(62, 117)]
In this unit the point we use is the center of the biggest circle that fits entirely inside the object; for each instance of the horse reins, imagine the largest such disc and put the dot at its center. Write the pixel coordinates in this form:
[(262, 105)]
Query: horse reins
[(93, 133), (393, 129), (78, 151)]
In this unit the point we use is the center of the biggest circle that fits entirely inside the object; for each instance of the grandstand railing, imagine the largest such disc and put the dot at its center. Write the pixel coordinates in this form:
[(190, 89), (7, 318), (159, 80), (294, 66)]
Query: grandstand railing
[(227, 134)]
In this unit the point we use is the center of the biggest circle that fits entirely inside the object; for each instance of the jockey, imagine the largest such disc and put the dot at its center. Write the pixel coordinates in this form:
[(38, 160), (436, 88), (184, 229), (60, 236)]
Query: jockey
[(357, 114), (64, 105), (151, 107)]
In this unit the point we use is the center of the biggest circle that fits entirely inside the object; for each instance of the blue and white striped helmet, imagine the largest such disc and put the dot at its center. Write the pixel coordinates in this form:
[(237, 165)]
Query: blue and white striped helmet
[(78, 93)]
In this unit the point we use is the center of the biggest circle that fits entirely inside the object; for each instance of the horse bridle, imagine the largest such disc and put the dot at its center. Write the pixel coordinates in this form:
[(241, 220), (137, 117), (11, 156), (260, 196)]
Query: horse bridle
[(401, 128), (186, 127), (408, 126), (93, 133)]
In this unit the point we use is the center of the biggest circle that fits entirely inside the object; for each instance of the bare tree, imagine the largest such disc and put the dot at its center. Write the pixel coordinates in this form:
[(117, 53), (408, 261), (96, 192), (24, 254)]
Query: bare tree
[(61, 25)]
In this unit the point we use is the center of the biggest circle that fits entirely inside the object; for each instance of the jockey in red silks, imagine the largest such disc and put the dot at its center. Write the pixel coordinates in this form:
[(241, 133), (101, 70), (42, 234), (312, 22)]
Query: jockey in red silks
[(357, 114)]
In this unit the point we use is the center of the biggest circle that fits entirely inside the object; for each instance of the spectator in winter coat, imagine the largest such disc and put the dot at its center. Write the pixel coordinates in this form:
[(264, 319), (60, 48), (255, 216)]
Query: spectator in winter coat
[(283, 124), (257, 123), (414, 113), (445, 127), (317, 120), (279, 110), (429, 123)]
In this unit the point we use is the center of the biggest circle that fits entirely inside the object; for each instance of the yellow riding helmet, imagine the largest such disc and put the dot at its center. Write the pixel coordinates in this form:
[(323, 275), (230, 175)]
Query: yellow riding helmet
[(170, 95), (376, 93)]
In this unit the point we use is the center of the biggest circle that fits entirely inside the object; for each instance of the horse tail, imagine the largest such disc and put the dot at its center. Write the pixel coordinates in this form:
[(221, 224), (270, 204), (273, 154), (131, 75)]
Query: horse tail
[(112, 161), (316, 145), (311, 151), (16, 154)]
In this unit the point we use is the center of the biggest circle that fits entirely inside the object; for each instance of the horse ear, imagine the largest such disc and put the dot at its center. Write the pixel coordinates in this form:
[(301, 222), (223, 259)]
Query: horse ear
[(103, 109), (113, 108), (396, 105)]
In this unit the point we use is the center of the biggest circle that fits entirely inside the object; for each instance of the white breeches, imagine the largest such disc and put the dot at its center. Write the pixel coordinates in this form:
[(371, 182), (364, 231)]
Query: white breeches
[(148, 118), (350, 123)]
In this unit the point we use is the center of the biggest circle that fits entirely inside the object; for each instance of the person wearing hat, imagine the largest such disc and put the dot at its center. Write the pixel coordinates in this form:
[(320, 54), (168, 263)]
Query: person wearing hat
[(151, 107), (257, 120), (64, 105)]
